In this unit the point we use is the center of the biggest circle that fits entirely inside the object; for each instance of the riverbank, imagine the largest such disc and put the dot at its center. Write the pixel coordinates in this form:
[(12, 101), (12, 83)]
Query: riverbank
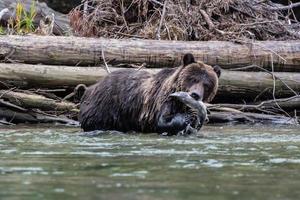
[(42, 76), (49, 89)]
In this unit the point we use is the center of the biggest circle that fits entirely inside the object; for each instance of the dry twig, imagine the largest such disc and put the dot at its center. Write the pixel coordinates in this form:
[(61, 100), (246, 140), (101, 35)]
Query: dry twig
[(232, 19), (105, 63), (161, 20), (292, 5)]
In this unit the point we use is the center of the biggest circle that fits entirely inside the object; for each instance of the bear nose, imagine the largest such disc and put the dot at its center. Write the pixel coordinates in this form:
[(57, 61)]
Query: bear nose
[(196, 96)]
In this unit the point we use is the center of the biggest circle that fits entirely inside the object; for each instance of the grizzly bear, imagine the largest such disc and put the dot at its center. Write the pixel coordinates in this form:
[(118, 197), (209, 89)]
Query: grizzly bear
[(136, 100)]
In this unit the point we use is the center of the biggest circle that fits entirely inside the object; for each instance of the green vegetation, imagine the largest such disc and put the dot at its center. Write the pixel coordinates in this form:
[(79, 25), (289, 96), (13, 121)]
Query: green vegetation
[(23, 22), (2, 31)]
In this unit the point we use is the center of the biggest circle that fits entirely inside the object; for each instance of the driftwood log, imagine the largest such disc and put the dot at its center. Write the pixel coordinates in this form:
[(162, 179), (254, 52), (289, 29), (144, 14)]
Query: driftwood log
[(244, 117), (11, 112), (35, 101), (232, 83), (48, 76), (287, 104), (12, 116), (257, 85), (18, 107), (282, 55)]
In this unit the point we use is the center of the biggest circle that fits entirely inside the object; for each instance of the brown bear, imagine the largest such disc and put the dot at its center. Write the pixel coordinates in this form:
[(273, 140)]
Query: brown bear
[(136, 100)]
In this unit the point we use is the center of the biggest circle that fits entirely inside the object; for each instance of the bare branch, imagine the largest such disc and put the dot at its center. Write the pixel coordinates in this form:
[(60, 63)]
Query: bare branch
[(292, 5), (105, 63), (161, 20)]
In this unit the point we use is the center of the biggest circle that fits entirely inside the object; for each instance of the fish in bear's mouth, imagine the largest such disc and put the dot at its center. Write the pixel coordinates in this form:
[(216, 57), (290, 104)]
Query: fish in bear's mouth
[(190, 102)]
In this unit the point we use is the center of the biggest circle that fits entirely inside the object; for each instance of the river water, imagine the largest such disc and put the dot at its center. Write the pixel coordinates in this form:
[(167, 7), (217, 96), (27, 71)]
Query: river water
[(229, 162)]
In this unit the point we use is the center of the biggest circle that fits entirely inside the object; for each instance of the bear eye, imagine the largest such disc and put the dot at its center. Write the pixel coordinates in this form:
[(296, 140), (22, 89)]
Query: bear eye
[(206, 89)]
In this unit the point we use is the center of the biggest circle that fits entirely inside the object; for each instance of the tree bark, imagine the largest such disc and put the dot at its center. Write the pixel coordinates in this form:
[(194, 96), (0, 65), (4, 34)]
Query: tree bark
[(289, 104), (250, 85), (283, 55), (36, 101), (233, 84), (48, 76), (229, 117), (15, 116)]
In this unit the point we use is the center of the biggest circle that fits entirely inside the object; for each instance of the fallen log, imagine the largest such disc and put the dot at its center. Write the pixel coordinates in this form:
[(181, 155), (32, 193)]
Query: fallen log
[(257, 85), (47, 76), (11, 116), (16, 116), (286, 104), (233, 84), (35, 101), (3, 122), (244, 117), (283, 55)]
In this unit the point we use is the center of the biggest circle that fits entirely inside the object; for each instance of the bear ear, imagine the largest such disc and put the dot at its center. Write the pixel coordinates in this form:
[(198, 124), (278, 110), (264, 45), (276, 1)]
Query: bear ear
[(188, 59), (217, 69)]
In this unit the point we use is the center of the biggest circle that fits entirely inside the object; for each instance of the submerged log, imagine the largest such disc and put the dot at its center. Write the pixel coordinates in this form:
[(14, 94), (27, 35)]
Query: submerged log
[(35, 101), (283, 55), (240, 85)]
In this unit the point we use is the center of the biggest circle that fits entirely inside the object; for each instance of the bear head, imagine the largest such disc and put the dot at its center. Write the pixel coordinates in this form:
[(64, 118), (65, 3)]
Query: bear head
[(198, 79)]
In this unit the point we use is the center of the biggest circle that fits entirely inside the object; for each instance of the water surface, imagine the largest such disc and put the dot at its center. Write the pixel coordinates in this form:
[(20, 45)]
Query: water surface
[(230, 162)]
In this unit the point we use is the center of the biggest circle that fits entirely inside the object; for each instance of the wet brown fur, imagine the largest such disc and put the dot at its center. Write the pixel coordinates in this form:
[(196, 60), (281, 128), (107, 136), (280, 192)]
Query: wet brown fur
[(132, 100)]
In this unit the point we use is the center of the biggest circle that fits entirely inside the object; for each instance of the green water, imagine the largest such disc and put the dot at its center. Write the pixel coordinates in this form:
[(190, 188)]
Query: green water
[(230, 162)]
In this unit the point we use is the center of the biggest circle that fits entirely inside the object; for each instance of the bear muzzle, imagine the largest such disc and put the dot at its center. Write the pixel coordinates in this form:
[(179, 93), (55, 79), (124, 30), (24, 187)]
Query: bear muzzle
[(193, 103)]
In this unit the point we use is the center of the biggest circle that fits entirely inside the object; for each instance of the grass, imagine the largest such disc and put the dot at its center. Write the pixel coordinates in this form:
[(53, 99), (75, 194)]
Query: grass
[(24, 20), (2, 31)]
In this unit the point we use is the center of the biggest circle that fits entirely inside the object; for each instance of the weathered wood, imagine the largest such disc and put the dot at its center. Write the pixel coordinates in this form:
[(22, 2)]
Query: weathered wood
[(47, 76), (3, 122), (288, 104), (14, 116), (234, 117), (51, 76), (249, 85), (285, 55), (35, 101), (232, 83)]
